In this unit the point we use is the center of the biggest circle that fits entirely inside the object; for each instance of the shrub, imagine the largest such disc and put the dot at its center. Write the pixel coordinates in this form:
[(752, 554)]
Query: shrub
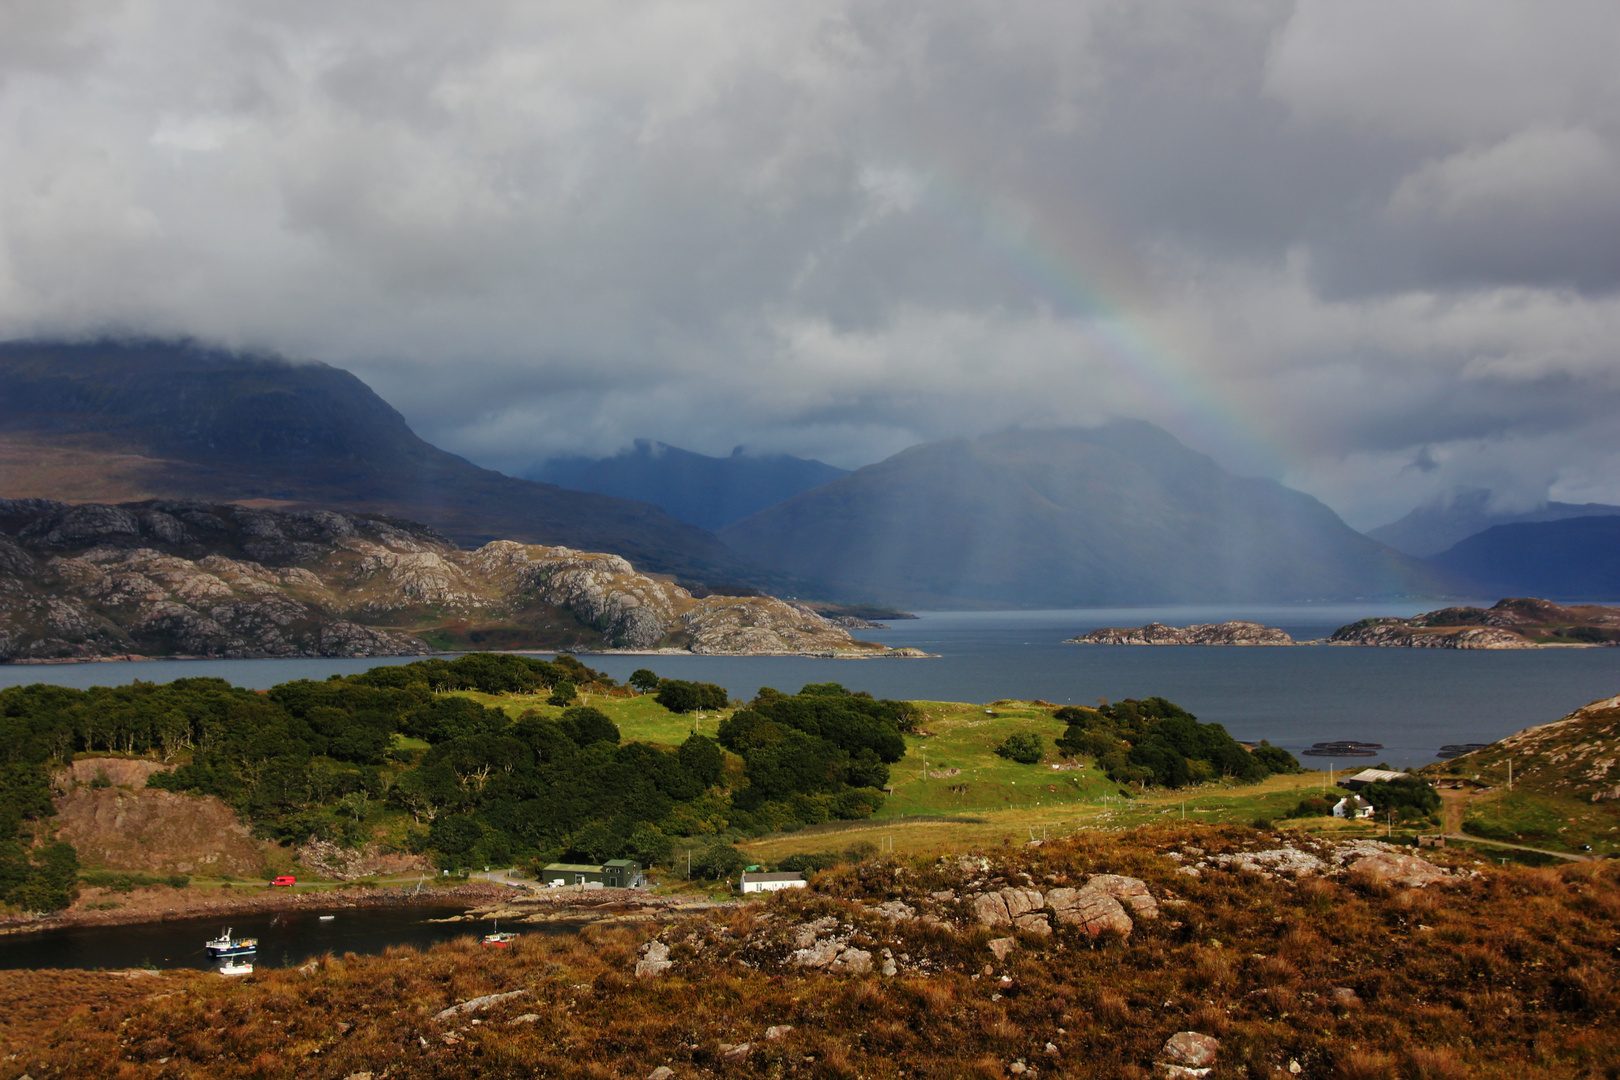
[(563, 693), (1024, 747)]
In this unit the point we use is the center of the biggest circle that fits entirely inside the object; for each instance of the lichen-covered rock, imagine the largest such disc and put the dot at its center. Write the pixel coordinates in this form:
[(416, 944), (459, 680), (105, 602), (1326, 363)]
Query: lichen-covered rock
[(1408, 871), (1188, 1054), (1091, 909), (1131, 892)]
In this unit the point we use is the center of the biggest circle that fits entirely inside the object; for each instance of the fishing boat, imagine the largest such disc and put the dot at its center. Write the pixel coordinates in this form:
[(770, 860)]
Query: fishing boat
[(226, 945), (498, 937), (236, 967)]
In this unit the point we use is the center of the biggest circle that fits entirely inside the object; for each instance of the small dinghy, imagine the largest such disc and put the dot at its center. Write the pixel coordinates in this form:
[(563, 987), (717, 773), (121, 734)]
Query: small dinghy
[(226, 945), (327, 918), (236, 967)]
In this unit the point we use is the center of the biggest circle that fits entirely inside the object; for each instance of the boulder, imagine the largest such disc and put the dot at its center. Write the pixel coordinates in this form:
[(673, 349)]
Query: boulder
[(1006, 906), (1002, 946), (1090, 909), (656, 961), (1131, 892), (851, 962), (1186, 1055), (1407, 871)]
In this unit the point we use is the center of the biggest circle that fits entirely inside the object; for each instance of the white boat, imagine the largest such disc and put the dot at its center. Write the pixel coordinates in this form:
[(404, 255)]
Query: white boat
[(498, 937), (226, 945), (236, 967), (327, 918)]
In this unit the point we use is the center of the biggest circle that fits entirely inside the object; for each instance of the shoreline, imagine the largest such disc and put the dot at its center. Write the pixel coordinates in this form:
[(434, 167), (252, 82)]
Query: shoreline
[(881, 654), (474, 897)]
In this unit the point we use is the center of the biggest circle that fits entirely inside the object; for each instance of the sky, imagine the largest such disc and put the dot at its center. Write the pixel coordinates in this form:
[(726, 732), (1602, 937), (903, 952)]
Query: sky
[(1371, 249)]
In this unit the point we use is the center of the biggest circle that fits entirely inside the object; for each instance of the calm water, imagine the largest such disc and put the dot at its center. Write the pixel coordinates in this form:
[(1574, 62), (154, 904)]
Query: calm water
[(286, 939), (1411, 700)]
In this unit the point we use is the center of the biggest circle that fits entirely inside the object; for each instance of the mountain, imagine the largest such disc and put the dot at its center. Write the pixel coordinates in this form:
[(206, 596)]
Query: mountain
[(1117, 514), (1436, 526), (190, 578), (709, 492), (1578, 558), (114, 421)]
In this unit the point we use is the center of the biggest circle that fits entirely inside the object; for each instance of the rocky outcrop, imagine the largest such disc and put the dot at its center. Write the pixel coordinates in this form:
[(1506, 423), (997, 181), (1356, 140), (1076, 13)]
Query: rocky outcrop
[(1226, 633), (1402, 634), (1512, 623), (1097, 908), (156, 832), (193, 579)]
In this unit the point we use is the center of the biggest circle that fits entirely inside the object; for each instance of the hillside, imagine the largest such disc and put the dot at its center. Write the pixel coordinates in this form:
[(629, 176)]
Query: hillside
[(1565, 783), (114, 421), (1106, 955), (185, 578), (710, 492), (1576, 559), (1121, 513), (1432, 528), (1514, 623)]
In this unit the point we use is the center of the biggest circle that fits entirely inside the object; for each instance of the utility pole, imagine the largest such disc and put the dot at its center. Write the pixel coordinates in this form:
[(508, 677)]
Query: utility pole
[(1510, 774)]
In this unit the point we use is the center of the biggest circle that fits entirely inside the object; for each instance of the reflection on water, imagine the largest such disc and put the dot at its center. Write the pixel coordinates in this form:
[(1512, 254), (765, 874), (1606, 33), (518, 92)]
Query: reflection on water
[(286, 938)]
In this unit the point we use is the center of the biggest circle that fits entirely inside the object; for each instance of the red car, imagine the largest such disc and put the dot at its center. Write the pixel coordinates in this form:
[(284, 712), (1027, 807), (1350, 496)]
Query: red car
[(285, 879)]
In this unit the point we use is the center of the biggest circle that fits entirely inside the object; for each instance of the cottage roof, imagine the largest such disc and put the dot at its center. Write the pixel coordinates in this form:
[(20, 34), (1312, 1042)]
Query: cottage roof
[(573, 868), (620, 864), (780, 876)]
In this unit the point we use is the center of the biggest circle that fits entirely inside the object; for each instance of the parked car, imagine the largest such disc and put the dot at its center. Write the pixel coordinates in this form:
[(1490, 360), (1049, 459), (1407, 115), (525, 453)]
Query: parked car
[(285, 879)]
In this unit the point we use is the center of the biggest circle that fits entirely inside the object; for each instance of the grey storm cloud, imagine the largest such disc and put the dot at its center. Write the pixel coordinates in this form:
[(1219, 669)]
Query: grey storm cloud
[(1319, 240)]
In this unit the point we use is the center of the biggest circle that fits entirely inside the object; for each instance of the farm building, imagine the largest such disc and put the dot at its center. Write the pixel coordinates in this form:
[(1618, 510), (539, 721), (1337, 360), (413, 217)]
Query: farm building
[(772, 882), (1371, 776), (613, 874)]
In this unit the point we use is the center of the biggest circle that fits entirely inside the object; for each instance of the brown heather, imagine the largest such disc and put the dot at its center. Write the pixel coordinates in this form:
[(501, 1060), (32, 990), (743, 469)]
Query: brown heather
[(1510, 974)]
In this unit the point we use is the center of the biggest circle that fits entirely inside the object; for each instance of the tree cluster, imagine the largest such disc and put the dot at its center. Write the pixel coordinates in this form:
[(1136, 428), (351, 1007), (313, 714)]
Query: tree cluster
[(1157, 743), (818, 755)]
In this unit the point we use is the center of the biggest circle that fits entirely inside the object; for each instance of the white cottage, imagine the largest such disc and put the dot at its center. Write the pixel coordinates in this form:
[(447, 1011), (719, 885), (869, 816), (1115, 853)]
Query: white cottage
[(1353, 806), (772, 882)]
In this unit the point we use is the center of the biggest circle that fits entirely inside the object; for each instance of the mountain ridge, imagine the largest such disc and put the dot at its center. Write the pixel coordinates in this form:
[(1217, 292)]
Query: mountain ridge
[(1121, 513), (706, 491), (180, 420)]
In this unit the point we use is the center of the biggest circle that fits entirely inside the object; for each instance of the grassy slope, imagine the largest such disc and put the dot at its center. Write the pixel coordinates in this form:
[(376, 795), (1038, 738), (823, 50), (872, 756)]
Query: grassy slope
[(1557, 769)]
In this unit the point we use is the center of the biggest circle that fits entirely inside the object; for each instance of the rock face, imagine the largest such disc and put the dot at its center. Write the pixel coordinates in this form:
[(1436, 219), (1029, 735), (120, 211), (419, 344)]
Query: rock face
[(1227, 633), (158, 832), (194, 579)]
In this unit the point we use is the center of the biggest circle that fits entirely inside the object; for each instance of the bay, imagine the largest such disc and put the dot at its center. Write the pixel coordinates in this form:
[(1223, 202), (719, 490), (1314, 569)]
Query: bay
[(286, 938), (1411, 700)]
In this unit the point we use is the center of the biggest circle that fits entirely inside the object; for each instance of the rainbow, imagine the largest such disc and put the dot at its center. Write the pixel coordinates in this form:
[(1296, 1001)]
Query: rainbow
[(1085, 278)]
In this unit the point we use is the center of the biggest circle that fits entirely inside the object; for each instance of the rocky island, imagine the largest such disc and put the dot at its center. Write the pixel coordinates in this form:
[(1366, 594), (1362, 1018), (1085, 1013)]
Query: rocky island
[(1513, 623), (182, 578), (1235, 632)]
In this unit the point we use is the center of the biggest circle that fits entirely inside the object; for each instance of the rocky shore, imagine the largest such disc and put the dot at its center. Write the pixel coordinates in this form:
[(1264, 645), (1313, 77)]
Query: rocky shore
[(173, 579)]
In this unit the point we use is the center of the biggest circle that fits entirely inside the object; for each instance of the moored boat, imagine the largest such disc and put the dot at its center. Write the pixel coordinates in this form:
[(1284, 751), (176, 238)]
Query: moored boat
[(498, 937), (236, 967), (226, 945)]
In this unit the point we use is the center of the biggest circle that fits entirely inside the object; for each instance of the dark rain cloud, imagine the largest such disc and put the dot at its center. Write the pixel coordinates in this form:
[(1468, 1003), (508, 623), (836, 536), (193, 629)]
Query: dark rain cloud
[(1320, 240)]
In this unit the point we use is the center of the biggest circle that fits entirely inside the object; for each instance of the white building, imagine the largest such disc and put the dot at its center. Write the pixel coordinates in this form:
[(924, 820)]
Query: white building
[(772, 882), (1353, 806)]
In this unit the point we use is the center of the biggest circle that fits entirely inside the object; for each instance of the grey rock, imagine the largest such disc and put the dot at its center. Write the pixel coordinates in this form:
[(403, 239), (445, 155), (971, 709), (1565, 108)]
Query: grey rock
[(1190, 1049), (477, 1004), (1090, 909)]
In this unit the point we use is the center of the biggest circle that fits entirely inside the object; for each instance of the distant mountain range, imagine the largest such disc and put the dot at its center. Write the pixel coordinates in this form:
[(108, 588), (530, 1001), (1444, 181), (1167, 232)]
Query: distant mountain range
[(709, 492), (1432, 528), (1575, 559), (116, 421), (1117, 514), (1121, 513)]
